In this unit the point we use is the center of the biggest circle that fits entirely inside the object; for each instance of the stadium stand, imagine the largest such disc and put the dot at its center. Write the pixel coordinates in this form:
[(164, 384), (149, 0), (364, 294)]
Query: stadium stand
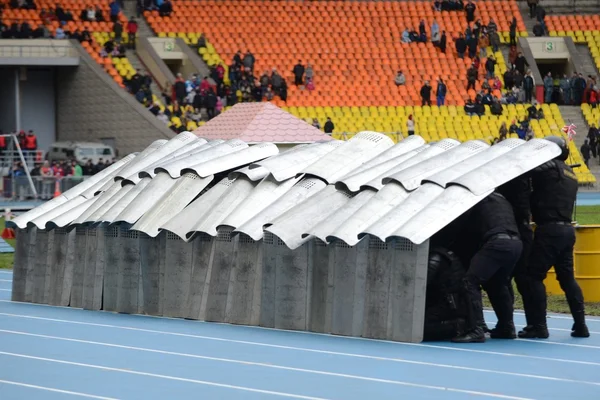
[(351, 67)]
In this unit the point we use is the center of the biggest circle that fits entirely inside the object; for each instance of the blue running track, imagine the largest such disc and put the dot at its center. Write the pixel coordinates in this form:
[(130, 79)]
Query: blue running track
[(62, 353)]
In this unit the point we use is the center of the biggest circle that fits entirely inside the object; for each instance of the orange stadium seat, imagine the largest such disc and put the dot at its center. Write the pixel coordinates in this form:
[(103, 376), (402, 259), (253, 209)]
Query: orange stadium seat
[(354, 47)]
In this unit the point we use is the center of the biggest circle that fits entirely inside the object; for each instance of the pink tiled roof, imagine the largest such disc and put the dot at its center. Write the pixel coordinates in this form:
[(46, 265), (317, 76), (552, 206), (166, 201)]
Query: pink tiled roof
[(260, 122)]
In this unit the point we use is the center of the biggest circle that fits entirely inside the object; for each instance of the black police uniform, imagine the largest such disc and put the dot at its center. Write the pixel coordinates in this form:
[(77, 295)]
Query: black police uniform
[(491, 224), (445, 305), (553, 198), (518, 194)]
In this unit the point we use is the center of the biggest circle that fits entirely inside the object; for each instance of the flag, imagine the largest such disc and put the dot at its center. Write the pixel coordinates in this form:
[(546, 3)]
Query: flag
[(569, 130)]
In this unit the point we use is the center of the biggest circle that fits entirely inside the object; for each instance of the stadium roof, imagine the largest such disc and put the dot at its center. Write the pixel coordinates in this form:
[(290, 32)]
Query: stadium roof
[(332, 191), (260, 122)]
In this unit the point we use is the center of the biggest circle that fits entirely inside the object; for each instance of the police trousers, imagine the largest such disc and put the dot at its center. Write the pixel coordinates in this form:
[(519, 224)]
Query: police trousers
[(526, 233), (552, 246), (491, 268)]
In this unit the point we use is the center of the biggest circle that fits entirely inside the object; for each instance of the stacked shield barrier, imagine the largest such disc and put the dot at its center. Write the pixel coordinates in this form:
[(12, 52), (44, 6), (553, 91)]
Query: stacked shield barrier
[(373, 289)]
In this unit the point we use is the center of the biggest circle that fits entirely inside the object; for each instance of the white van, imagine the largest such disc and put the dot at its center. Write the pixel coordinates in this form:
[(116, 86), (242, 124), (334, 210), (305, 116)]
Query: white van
[(81, 152)]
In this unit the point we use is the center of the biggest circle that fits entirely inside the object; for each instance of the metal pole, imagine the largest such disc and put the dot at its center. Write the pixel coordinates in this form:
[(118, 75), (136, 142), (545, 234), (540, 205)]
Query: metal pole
[(35, 195), (17, 100)]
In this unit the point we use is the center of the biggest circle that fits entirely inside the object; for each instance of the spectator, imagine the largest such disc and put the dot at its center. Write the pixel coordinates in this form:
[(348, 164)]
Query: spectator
[(471, 77), (435, 31), (470, 108), (400, 79), (532, 7), (585, 152), (249, 61), (410, 125), (513, 32), (328, 127), (21, 137), (441, 92), (132, 28), (491, 26), (484, 42), (422, 29), (494, 41), (503, 132), (540, 14), (490, 65), (594, 139), (276, 81), (298, 72), (426, 94), (406, 36), (165, 9), (162, 117), (309, 73), (118, 31), (538, 30), (30, 142), (565, 89), (315, 123), (442, 43), (520, 63), (99, 17), (91, 14), (59, 33), (180, 88), (496, 107), (115, 9), (472, 45), (593, 98), (548, 87), (470, 11), (437, 5), (201, 41)]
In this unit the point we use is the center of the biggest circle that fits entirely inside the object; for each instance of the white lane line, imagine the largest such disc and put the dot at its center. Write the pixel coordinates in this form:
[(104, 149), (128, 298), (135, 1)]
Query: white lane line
[(6, 272), (168, 377), (27, 385), (544, 341), (552, 316), (397, 360), (5, 280), (245, 342), (5, 290), (400, 383)]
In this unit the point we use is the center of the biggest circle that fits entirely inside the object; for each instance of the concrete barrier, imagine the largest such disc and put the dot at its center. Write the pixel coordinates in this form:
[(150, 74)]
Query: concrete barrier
[(42, 270)]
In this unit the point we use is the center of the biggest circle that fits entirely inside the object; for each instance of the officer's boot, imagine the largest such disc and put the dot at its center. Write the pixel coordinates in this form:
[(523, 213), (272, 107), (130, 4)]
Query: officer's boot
[(537, 331), (474, 332), (580, 329), (504, 331)]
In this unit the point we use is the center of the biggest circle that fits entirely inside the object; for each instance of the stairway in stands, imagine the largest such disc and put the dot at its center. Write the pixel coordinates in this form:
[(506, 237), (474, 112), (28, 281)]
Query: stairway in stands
[(573, 115), (130, 10), (587, 67)]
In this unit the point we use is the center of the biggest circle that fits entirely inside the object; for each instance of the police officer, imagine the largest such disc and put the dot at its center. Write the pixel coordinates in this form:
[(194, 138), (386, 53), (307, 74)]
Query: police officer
[(518, 194), (553, 198), (491, 224), (445, 306)]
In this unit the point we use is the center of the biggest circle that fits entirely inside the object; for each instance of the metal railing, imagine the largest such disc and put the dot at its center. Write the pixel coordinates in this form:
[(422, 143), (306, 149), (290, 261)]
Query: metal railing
[(19, 187)]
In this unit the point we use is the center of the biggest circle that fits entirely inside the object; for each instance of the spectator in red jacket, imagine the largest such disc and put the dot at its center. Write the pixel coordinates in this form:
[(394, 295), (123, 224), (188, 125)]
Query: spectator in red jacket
[(132, 28)]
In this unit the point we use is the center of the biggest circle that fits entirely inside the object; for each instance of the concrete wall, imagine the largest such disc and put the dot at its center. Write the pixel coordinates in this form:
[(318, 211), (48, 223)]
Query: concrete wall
[(8, 120), (154, 63), (552, 48), (38, 105), (91, 107)]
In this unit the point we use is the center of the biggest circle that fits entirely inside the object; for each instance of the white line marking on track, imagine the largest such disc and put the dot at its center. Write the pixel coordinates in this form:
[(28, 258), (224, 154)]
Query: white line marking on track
[(6, 272), (318, 372), (27, 385), (552, 316), (544, 341), (5, 280), (129, 371), (245, 342), (5, 290)]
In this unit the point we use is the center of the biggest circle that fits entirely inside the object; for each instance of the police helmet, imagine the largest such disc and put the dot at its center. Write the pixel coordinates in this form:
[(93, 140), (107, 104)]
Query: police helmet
[(562, 143)]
